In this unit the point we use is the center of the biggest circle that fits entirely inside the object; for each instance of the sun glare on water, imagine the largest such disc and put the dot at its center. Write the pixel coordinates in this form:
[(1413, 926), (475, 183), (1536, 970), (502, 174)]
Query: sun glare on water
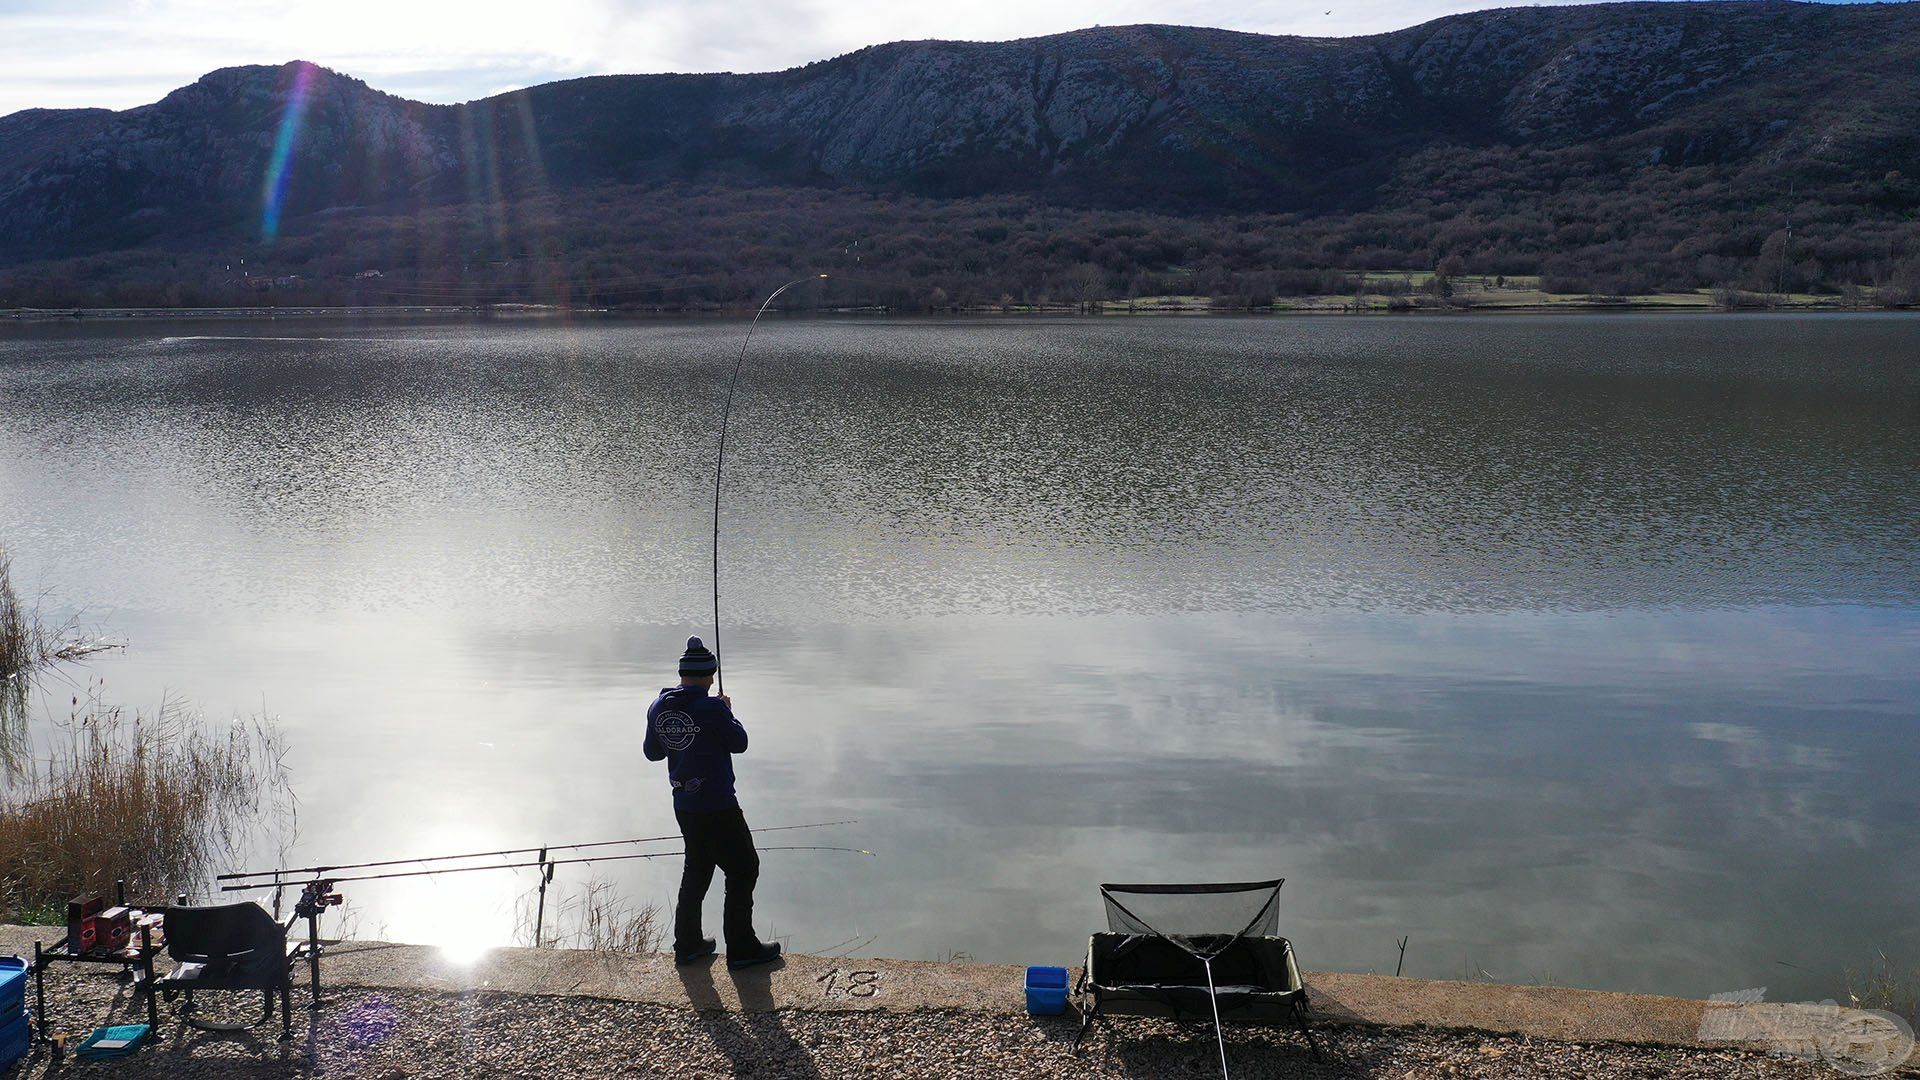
[(464, 952), (462, 913)]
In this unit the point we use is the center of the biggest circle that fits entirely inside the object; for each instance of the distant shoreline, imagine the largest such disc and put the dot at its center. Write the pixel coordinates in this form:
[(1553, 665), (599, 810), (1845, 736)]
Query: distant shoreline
[(1290, 306)]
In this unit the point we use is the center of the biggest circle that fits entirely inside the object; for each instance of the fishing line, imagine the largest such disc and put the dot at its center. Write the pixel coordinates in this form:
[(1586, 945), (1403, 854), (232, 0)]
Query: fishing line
[(1219, 1033)]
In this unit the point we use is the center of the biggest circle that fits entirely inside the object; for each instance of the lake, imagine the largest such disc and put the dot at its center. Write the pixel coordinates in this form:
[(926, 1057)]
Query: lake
[(1579, 649)]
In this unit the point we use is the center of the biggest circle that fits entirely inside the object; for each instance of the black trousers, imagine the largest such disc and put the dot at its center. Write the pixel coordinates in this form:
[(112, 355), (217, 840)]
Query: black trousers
[(720, 839)]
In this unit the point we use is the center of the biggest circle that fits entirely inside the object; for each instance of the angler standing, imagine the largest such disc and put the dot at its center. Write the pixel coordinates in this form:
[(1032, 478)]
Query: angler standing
[(698, 735)]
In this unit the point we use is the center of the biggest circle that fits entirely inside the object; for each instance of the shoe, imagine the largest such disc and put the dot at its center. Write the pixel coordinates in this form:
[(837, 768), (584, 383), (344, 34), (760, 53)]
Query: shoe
[(704, 948), (765, 954)]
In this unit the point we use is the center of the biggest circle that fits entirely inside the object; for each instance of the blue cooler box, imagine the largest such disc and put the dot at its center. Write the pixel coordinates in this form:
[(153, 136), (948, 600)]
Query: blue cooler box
[(16, 1037), (16, 1027), (13, 988), (1046, 991)]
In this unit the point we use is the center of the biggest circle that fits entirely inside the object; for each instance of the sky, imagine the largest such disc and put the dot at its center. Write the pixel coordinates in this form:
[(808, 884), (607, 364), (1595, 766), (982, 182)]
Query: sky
[(121, 53)]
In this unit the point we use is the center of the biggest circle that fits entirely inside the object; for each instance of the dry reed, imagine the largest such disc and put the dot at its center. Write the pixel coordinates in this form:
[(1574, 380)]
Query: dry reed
[(19, 654), (156, 801), (594, 917), (1881, 986), (29, 645)]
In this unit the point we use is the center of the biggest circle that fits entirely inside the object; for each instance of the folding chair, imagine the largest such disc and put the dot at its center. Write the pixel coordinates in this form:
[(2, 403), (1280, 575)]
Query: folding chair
[(230, 947)]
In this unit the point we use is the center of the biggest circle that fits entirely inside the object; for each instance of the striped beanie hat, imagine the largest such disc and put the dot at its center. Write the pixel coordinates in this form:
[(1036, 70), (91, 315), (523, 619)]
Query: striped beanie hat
[(698, 659)]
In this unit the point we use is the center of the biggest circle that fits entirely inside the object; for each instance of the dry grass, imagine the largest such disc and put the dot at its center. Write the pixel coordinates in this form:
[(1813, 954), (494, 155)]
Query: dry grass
[(1881, 986), (157, 801), (594, 917)]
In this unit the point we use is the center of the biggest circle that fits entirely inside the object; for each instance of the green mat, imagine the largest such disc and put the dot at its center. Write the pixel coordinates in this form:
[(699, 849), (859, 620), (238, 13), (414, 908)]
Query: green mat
[(113, 1042)]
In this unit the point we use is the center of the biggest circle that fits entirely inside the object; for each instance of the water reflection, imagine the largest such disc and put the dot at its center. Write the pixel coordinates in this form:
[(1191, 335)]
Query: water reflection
[(1572, 648)]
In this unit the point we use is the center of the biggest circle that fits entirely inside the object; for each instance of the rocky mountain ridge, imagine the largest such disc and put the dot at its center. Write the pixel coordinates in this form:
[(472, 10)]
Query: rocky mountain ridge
[(1489, 105)]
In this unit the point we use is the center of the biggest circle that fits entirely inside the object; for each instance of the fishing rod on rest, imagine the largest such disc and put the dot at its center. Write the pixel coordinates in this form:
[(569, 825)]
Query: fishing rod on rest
[(303, 871), (331, 880)]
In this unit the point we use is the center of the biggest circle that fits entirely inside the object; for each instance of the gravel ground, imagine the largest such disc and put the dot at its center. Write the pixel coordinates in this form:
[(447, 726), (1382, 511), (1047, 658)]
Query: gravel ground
[(391, 1034)]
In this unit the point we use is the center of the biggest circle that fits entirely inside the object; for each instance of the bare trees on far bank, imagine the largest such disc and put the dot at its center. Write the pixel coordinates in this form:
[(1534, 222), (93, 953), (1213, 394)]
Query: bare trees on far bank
[(680, 248)]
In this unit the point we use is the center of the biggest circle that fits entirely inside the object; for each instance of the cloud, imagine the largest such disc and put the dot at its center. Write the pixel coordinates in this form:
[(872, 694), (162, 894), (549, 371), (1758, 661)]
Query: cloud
[(130, 52)]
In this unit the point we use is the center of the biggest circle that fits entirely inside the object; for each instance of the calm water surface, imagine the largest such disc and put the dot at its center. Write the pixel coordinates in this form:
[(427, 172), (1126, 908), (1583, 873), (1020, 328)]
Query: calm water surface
[(1578, 649)]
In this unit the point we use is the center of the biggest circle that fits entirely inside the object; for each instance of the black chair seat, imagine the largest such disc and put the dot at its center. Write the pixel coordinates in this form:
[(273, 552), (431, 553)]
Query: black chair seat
[(229, 947), (248, 973)]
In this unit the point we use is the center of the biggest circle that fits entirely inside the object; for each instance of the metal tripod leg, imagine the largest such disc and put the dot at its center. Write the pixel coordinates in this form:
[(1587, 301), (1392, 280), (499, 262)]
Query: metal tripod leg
[(1088, 1006), (1313, 1047), (1086, 1021), (313, 957)]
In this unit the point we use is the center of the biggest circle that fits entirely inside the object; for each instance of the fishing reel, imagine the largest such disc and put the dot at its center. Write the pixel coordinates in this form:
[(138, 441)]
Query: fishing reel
[(315, 898)]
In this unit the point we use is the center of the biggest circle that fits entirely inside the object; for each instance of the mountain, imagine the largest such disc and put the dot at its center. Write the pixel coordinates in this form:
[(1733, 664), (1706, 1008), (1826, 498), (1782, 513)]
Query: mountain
[(1521, 108)]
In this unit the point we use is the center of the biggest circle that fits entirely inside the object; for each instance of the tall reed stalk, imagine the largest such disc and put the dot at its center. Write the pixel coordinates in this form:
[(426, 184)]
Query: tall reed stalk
[(160, 801), (28, 646), (593, 916), (1882, 985)]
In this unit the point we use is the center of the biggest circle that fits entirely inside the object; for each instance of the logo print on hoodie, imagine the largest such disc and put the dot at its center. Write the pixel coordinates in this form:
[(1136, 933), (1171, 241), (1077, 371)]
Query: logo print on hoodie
[(677, 729)]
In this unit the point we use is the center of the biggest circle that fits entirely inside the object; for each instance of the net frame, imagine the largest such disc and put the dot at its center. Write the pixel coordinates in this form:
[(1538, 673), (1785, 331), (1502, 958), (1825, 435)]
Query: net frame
[(1123, 920)]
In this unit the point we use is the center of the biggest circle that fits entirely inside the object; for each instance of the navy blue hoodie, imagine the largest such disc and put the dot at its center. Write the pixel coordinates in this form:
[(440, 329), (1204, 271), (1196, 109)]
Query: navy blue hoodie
[(698, 736)]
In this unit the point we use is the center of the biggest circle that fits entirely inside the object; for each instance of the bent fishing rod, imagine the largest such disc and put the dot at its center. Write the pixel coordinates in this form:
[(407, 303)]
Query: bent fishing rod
[(435, 872), (302, 871), (720, 465), (726, 415)]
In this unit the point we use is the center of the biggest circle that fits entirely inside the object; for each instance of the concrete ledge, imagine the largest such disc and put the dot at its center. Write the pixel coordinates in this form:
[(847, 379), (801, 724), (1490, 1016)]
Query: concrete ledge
[(1547, 1012), (797, 982)]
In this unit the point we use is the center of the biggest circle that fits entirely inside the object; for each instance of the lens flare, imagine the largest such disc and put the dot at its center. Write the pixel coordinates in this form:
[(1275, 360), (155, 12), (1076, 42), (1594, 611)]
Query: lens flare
[(273, 192)]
